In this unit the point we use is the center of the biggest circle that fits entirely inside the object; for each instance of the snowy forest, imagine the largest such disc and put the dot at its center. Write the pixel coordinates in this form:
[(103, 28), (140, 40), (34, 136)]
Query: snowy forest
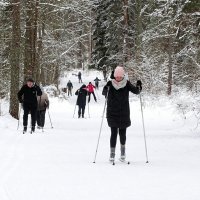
[(156, 40)]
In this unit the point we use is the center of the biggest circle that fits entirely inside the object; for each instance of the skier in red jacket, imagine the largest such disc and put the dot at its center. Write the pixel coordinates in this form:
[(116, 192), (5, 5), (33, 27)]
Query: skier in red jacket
[(90, 88)]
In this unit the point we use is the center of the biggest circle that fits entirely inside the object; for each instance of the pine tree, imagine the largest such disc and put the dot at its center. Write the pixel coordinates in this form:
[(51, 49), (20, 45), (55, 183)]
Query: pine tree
[(108, 34)]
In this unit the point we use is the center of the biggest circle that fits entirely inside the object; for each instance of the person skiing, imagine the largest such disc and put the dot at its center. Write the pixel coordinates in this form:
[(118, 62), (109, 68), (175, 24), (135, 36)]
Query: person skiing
[(90, 88), (118, 112), (80, 77), (69, 88), (43, 104), (27, 96), (96, 81), (81, 100)]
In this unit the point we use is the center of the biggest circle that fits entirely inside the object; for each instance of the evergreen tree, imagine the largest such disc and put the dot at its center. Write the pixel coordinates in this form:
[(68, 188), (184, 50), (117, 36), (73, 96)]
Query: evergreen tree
[(108, 34)]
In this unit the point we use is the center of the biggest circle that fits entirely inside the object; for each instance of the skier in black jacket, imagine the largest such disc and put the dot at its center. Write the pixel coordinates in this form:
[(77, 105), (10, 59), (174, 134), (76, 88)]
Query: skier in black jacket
[(79, 77), (96, 81), (118, 110), (81, 100), (69, 88), (28, 96)]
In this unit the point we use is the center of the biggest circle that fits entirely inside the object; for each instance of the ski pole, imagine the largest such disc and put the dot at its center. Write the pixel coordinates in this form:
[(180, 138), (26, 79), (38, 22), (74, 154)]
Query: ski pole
[(74, 110), (97, 95), (19, 116), (104, 109), (145, 142), (39, 113), (88, 105), (88, 110), (50, 118), (76, 104)]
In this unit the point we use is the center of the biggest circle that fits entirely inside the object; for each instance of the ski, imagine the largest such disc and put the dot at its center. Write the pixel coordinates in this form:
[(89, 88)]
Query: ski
[(31, 132), (124, 161), (112, 162)]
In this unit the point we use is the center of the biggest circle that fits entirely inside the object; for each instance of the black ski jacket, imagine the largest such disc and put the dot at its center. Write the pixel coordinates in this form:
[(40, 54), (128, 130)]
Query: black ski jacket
[(82, 94), (69, 85), (96, 80), (28, 95), (118, 110)]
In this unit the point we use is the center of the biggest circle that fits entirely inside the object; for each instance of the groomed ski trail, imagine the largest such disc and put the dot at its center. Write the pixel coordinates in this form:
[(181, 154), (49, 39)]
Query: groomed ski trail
[(58, 164)]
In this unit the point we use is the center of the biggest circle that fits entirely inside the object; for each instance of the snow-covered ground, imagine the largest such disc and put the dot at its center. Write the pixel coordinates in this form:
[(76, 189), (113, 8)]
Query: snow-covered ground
[(58, 164)]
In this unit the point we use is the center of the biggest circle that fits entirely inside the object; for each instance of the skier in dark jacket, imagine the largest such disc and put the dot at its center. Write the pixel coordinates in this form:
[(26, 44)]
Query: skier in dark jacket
[(28, 96), (80, 77), (118, 111), (96, 81), (69, 87), (81, 100)]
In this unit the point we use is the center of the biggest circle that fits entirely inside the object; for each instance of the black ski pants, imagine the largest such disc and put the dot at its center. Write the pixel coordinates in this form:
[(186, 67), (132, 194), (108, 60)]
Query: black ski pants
[(113, 138), (32, 109), (70, 91), (93, 96), (80, 79), (97, 85), (81, 110)]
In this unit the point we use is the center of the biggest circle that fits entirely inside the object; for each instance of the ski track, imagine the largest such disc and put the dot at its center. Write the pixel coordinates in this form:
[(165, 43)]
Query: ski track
[(57, 164)]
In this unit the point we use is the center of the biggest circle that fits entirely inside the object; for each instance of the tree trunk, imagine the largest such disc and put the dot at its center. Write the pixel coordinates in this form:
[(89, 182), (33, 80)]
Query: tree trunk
[(39, 47), (90, 39), (170, 54), (28, 68), (79, 52), (138, 31), (36, 63), (30, 57), (126, 49), (15, 58)]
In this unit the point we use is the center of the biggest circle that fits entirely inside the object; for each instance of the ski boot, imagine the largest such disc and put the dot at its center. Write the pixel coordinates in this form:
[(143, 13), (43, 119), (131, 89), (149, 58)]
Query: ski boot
[(32, 129), (123, 154), (25, 129), (112, 155)]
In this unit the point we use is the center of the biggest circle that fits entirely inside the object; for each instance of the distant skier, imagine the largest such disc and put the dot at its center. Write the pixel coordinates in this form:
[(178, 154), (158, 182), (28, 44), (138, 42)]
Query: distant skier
[(69, 88), (96, 81), (90, 88), (80, 77), (43, 104), (28, 96), (118, 111), (81, 100)]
